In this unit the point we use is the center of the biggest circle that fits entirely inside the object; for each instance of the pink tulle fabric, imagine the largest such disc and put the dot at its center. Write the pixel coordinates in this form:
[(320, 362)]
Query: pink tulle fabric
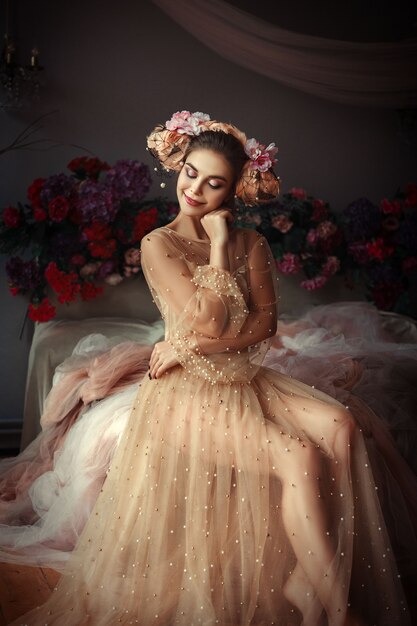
[(48, 491)]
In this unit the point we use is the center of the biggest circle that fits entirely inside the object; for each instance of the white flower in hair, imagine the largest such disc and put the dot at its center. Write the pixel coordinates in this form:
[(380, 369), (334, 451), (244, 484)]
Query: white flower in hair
[(186, 123), (262, 157)]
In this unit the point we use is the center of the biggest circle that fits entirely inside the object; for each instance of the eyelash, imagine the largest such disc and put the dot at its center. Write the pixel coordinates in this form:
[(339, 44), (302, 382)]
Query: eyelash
[(189, 174)]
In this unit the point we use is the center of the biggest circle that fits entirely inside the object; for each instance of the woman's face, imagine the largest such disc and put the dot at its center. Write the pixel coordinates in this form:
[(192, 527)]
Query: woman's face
[(204, 183)]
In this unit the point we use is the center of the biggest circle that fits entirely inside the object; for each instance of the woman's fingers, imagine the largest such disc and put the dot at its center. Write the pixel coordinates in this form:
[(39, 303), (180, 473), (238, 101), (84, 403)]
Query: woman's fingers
[(162, 359)]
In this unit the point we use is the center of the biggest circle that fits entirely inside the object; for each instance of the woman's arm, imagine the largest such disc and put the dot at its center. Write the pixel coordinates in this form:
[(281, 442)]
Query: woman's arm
[(208, 302), (261, 321)]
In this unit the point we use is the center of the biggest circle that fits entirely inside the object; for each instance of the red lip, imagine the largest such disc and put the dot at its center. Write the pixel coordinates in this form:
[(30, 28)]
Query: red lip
[(191, 202)]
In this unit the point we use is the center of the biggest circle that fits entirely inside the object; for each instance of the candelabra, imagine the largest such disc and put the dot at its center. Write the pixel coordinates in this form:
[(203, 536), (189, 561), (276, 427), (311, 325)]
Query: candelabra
[(20, 84)]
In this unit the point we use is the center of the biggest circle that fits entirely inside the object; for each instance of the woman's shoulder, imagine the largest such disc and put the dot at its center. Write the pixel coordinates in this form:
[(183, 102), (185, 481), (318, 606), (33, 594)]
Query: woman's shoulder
[(157, 233), (155, 243)]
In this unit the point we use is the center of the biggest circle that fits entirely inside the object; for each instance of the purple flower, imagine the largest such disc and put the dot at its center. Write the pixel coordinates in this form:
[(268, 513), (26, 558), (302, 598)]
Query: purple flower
[(23, 274), (359, 252), (363, 220), (96, 203), (106, 268), (128, 179), (57, 185)]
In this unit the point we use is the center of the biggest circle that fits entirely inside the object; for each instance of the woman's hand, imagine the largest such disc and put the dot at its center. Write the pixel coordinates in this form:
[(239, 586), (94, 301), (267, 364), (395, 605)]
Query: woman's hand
[(216, 223), (163, 357)]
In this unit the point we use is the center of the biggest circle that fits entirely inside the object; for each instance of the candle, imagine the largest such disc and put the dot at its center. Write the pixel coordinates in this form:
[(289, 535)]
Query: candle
[(34, 58), (9, 53)]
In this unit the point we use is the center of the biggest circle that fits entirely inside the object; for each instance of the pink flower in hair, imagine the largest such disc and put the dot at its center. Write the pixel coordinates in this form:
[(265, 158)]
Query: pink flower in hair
[(186, 123), (262, 157)]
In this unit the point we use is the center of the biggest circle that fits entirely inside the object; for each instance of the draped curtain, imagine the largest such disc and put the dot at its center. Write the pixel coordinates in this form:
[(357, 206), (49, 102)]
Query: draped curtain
[(365, 74)]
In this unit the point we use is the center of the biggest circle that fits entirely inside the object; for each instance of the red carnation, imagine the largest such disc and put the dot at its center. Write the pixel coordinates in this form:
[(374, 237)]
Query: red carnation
[(89, 291), (11, 217), (393, 208), (97, 232), (14, 290), (39, 215), (64, 285), (34, 192), (91, 166), (102, 249), (144, 223), (377, 250), (43, 312), (58, 208)]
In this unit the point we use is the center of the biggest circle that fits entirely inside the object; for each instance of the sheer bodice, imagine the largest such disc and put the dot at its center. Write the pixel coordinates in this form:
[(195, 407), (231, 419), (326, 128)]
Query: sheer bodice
[(222, 332)]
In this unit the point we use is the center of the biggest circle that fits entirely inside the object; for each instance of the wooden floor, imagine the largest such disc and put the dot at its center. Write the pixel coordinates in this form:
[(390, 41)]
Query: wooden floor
[(22, 588)]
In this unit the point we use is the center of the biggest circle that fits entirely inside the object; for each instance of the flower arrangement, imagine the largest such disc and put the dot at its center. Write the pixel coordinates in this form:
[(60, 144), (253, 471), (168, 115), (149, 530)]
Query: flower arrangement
[(382, 247), (79, 230), (304, 236)]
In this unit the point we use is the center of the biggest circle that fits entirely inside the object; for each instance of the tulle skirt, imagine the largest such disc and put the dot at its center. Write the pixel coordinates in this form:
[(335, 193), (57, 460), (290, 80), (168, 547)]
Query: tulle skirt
[(249, 503), (199, 516)]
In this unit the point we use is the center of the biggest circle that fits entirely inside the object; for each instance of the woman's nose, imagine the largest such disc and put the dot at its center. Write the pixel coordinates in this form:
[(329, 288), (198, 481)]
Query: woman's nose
[(196, 188)]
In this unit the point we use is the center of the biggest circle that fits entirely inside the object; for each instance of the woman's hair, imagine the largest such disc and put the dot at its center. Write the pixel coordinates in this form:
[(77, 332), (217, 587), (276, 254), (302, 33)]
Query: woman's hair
[(254, 179), (223, 143)]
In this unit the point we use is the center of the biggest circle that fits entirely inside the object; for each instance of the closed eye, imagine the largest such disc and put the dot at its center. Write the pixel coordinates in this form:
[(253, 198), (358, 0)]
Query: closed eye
[(190, 173)]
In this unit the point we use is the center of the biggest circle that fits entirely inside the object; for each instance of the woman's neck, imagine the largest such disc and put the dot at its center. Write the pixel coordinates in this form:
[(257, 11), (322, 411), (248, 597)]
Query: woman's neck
[(189, 227)]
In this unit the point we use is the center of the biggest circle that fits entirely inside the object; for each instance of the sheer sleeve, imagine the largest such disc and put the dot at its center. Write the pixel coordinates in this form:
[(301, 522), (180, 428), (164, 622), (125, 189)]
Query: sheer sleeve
[(208, 301), (217, 334)]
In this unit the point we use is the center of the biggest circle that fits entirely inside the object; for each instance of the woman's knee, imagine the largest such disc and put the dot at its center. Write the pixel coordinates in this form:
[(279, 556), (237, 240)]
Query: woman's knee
[(345, 428)]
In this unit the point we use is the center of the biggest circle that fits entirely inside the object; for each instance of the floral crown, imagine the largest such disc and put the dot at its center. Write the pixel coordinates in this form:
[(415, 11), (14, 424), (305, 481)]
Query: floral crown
[(169, 144)]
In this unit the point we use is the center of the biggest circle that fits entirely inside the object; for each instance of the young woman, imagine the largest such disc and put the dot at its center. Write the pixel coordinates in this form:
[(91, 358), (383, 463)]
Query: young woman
[(237, 495)]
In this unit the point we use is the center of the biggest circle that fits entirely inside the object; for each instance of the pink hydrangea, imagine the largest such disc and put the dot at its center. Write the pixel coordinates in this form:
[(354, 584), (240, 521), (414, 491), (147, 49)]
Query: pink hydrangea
[(289, 264), (186, 123), (113, 279), (314, 283), (325, 229), (312, 236), (331, 266), (262, 157), (281, 223)]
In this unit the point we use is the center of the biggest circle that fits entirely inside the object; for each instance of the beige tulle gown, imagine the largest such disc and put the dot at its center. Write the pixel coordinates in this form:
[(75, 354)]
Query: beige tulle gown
[(237, 495)]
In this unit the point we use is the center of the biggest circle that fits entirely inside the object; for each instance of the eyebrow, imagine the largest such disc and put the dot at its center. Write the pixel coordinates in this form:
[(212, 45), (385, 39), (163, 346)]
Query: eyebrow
[(214, 176)]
